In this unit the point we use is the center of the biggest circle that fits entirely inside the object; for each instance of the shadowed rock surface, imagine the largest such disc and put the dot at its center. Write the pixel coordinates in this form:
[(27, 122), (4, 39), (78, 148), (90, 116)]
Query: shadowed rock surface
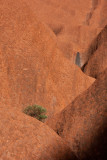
[(97, 52), (35, 70), (77, 60), (83, 124)]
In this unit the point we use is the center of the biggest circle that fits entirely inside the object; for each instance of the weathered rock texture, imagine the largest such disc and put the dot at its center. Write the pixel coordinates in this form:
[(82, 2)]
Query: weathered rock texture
[(83, 124), (25, 138), (4, 85), (97, 53), (35, 70), (75, 22)]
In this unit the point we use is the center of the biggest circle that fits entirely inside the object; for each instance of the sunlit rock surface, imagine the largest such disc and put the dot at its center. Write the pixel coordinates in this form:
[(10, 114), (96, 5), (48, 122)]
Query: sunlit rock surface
[(74, 22), (35, 69)]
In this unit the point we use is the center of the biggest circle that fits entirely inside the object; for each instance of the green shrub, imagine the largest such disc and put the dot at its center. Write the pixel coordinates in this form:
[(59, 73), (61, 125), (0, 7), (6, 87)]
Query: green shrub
[(36, 111)]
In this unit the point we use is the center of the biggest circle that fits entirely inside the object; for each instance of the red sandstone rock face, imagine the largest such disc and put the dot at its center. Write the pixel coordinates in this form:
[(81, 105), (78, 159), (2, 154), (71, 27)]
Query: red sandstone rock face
[(75, 23), (23, 137), (36, 71), (4, 86), (83, 124), (97, 52), (33, 70)]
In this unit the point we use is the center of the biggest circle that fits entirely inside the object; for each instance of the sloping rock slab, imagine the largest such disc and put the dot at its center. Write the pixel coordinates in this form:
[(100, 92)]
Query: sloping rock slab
[(83, 124), (25, 138), (35, 69), (97, 61)]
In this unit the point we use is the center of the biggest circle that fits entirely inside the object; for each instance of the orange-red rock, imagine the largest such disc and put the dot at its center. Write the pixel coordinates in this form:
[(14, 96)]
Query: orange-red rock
[(33, 70), (97, 61), (83, 124), (75, 23), (4, 85), (25, 138), (36, 71)]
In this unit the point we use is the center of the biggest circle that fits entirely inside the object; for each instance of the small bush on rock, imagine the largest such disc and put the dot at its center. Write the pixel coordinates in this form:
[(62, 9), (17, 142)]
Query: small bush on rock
[(36, 111)]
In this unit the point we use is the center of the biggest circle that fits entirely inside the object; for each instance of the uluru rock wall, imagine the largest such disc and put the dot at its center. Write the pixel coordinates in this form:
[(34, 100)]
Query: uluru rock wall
[(97, 53), (83, 123), (75, 23), (23, 137), (4, 85), (37, 72), (33, 70)]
